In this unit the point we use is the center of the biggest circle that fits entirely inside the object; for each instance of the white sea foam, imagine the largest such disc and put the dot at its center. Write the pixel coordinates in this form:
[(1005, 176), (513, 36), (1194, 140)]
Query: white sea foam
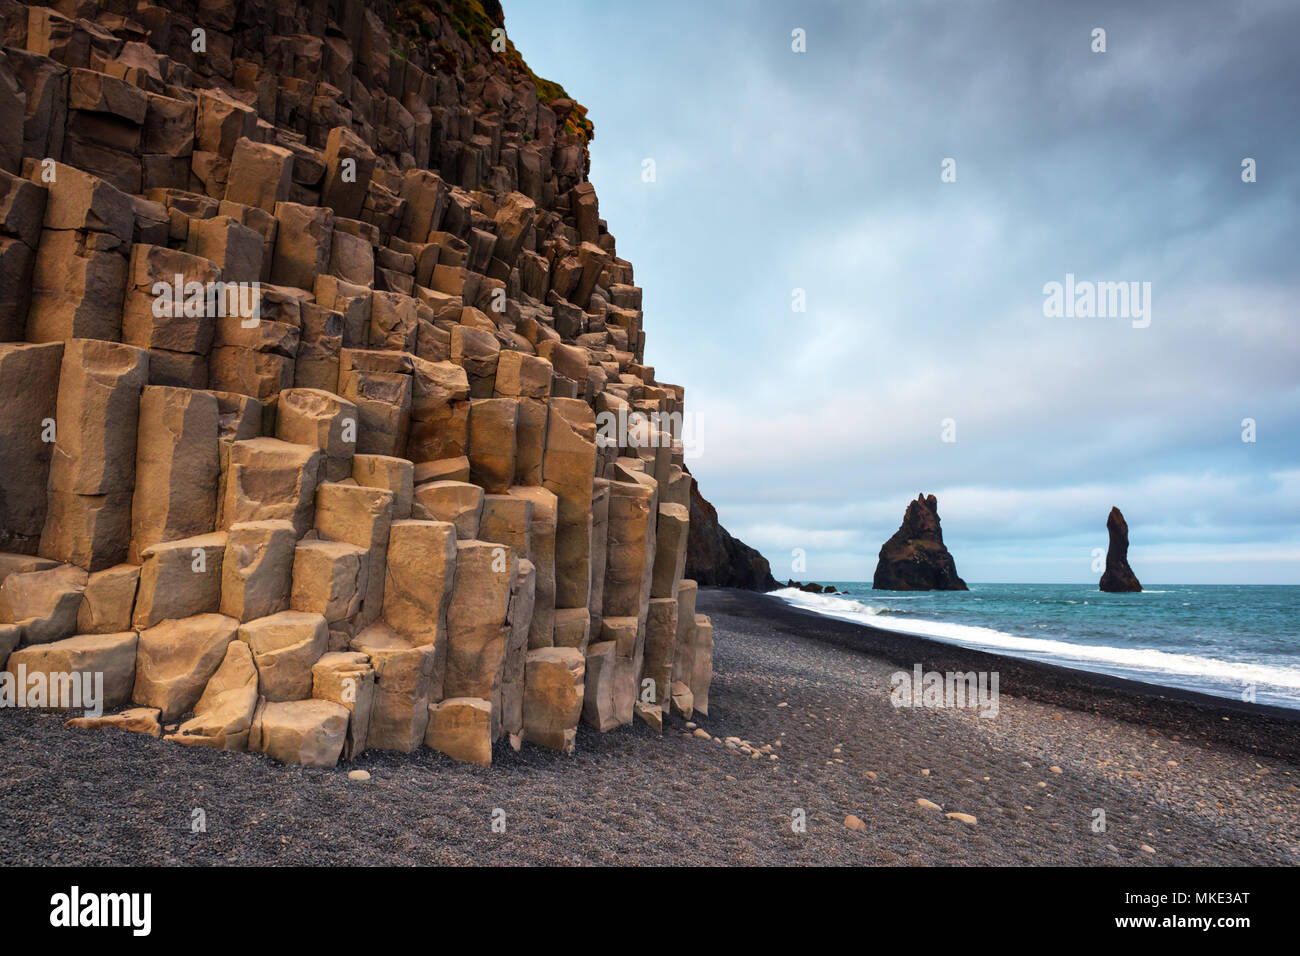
[(1160, 667)]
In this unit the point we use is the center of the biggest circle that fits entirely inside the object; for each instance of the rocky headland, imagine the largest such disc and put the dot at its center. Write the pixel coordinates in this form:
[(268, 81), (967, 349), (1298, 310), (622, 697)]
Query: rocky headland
[(715, 558)]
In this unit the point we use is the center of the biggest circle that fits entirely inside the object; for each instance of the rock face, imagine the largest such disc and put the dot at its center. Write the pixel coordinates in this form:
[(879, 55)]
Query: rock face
[(307, 332), (915, 558), (1118, 576), (715, 559)]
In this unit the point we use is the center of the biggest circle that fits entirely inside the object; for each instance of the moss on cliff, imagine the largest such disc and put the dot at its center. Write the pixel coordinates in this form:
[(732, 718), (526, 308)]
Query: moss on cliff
[(474, 21)]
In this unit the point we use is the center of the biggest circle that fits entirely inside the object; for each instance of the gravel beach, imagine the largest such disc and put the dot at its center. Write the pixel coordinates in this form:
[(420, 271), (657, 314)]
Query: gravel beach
[(1181, 778)]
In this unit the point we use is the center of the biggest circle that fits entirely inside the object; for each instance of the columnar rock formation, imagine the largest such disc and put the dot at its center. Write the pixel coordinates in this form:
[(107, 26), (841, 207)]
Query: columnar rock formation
[(1118, 576), (310, 338), (915, 558)]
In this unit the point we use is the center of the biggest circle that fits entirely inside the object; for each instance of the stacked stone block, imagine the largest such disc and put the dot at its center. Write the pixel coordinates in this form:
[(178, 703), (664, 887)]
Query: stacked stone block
[(322, 398)]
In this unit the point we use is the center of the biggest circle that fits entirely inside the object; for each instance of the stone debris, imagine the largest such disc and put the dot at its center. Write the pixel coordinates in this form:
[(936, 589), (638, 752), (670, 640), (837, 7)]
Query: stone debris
[(140, 720), (310, 342)]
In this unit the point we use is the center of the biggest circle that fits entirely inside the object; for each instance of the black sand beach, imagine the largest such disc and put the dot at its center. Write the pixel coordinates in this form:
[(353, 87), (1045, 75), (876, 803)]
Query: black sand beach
[(1182, 779)]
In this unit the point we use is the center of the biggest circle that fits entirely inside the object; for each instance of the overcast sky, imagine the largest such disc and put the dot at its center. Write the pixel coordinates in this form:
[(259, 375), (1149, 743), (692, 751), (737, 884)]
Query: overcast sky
[(821, 171)]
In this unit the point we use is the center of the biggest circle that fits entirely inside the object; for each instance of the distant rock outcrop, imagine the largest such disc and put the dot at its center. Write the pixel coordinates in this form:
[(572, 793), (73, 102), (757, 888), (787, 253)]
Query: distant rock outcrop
[(1118, 576), (812, 587), (915, 558), (715, 558)]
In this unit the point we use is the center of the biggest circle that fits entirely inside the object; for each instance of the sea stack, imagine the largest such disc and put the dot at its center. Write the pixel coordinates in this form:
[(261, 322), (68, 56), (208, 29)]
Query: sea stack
[(1118, 575), (915, 558)]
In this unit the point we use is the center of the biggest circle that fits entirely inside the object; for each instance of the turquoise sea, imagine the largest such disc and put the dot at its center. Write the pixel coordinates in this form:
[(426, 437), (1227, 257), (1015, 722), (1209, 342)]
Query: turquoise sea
[(1227, 640)]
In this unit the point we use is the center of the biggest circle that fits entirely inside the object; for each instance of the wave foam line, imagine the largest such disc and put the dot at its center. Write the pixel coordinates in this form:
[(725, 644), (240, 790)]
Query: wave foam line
[(1150, 664)]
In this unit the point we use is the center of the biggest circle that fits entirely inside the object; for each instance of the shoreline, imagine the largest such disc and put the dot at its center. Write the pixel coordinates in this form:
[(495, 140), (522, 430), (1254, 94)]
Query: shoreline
[(1261, 728), (1097, 639), (807, 696)]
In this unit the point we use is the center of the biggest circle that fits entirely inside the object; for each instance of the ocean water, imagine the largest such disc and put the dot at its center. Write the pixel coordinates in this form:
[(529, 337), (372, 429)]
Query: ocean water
[(1226, 640)]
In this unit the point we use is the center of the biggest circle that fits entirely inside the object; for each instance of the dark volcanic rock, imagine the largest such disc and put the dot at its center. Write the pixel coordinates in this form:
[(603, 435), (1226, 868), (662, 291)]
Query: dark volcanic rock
[(1118, 575), (714, 557), (915, 559), (812, 587)]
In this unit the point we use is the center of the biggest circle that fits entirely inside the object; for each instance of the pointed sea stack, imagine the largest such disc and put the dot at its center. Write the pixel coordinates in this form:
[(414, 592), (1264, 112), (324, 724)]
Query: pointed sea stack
[(915, 558), (1118, 576)]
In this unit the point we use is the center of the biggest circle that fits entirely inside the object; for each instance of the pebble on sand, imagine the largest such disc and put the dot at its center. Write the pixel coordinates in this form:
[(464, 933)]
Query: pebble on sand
[(1146, 849), (922, 802), (358, 774), (963, 818), (1055, 769), (853, 823)]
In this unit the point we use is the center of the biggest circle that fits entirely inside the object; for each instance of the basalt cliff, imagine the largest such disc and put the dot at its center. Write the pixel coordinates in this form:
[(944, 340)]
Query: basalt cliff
[(915, 558), (716, 559), (310, 335)]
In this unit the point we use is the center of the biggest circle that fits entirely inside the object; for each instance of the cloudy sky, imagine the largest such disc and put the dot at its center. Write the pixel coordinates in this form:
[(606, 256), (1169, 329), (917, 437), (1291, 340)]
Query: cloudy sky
[(820, 171)]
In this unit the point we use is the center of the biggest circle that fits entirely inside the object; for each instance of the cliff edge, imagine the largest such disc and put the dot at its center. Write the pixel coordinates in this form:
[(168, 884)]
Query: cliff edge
[(715, 558)]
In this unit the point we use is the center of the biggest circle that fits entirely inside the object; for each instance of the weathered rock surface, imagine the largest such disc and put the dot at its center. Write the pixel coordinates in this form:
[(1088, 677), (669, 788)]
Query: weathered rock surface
[(304, 336), (1118, 576), (347, 678), (285, 647), (553, 693), (915, 558), (404, 678), (309, 732), (138, 720), (461, 727), (107, 659), (715, 559), (176, 659), (224, 713)]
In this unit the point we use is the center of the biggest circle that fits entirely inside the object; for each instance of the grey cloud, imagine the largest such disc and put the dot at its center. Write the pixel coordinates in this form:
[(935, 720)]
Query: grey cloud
[(821, 171)]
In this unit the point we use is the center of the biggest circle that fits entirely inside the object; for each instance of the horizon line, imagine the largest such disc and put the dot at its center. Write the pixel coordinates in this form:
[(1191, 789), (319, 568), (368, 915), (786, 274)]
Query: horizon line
[(1153, 584)]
